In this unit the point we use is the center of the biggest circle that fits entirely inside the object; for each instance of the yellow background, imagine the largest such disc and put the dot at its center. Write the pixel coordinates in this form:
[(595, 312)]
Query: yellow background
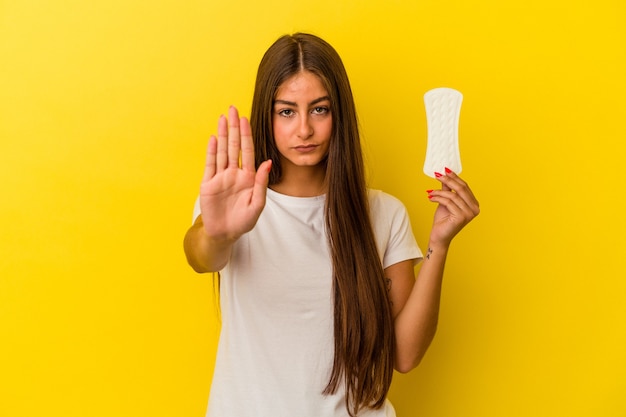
[(105, 109)]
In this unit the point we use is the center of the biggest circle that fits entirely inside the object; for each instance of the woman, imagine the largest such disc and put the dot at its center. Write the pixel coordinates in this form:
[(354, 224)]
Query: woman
[(318, 293)]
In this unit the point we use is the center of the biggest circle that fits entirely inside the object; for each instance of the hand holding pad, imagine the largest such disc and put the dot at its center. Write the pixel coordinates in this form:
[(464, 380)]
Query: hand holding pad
[(443, 107)]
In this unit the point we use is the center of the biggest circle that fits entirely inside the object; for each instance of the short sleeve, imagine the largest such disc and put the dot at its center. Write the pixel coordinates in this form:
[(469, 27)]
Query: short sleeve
[(392, 229)]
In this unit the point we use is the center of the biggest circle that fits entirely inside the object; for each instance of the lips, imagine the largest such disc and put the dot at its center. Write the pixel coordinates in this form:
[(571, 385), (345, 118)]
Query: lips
[(305, 148)]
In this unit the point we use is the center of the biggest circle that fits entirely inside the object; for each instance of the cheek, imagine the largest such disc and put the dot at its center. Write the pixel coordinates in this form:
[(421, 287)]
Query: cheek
[(280, 132), (325, 131), (328, 128)]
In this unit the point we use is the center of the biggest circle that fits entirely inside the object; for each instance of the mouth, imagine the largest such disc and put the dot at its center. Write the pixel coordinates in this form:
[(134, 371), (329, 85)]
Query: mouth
[(305, 148)]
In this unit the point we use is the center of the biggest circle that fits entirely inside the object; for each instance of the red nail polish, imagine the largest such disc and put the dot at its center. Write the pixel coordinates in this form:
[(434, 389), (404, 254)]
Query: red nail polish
[(438, 175), (430, 196), (448, 170), (429, 191)]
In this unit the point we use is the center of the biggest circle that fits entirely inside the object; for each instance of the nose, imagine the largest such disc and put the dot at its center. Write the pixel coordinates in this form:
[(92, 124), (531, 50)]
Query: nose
[(305, 128)]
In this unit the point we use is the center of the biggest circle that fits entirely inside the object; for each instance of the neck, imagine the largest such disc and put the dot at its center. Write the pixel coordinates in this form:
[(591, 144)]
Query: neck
[(301, 181)]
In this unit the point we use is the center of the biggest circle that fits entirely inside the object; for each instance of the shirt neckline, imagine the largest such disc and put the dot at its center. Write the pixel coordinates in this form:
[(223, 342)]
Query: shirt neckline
[(304, 201)]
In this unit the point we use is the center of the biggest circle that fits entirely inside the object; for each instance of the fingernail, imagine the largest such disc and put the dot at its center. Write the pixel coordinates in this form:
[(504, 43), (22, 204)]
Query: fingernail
[(430, 196), (438, 175), (429, 191), (448, 170)]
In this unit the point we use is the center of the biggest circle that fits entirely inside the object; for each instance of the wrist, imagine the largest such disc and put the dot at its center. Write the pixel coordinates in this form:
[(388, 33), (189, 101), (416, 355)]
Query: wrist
[(219, 239), (437, 249), (222, 240), (438, 245)]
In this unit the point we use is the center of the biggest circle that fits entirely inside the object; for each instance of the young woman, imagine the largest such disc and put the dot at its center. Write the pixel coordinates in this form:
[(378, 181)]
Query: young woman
[(318, 293)]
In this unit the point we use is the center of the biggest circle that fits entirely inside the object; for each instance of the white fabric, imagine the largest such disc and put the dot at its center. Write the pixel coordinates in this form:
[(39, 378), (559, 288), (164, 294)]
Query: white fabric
[(276, 345), (443, 108)]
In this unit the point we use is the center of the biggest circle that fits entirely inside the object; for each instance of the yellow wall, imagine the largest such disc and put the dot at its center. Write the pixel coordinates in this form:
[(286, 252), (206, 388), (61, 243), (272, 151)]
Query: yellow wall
[(105, 108)]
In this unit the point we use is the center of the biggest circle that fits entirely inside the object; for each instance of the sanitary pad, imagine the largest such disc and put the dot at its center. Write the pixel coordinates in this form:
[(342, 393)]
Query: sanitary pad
[(443, 106)]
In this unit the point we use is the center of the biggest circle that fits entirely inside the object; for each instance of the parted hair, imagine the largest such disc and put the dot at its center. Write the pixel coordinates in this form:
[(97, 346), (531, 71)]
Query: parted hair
[(364, 343)]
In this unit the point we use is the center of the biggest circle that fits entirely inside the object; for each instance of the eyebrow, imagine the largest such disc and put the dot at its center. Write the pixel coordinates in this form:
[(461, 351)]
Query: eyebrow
[(312, 103)]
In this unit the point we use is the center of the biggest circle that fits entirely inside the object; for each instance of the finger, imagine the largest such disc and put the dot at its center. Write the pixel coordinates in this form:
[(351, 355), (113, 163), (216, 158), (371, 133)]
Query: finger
[(452, 182), (209, 168), (456, 205), (449, 200), (448, 179), (234, 137), (463, 190), (453, 191), (442, 179), (221, 160), (247, 146), (261, 180)]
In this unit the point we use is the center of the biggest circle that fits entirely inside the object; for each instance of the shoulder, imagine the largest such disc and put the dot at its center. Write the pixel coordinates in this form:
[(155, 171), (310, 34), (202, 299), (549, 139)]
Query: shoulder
[(381, 202), (386, 210), (392, 228)]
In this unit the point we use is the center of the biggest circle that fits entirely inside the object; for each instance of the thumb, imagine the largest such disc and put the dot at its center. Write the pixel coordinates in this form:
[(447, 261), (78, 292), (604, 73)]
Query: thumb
[(261, 180)]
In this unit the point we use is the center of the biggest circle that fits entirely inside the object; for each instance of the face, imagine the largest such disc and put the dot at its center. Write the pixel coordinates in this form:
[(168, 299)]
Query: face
[(302, 121)]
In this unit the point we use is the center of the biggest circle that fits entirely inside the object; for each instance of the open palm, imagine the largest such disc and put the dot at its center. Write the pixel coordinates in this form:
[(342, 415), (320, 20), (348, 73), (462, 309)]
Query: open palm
[(232, 193)]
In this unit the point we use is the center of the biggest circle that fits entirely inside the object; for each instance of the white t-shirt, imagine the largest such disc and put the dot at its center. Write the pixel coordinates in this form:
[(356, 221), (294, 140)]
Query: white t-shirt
[(276, 345)]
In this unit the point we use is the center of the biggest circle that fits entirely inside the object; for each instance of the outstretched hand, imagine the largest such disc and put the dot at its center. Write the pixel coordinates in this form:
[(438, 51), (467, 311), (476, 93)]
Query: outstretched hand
[(457, 207), (232, 193)]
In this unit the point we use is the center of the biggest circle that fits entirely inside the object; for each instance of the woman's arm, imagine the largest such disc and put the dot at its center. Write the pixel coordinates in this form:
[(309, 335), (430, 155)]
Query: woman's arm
[(232, 195), (416, 302), (203, 253), (415, 306)]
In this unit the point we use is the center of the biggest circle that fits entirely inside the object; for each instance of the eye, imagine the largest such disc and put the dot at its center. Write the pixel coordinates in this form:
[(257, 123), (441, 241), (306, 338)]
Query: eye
[(286, 112), (320, 110)]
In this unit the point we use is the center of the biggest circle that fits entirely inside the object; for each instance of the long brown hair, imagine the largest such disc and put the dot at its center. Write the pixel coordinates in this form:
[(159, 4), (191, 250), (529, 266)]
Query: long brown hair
[(363, 324)]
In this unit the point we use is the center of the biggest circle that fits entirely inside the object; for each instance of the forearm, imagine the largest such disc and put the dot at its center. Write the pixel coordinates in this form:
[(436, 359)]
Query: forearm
[(416, 323), (203, 253)]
